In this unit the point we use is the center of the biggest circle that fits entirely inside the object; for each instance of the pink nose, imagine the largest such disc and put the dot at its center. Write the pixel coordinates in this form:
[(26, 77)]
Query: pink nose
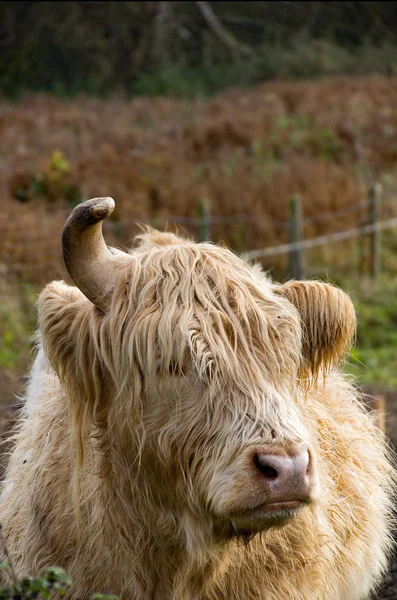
[(288, 474)]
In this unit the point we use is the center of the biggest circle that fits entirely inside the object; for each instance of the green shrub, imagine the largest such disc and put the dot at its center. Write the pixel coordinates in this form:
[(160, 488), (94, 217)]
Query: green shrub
[(50, 584), (54, 182)]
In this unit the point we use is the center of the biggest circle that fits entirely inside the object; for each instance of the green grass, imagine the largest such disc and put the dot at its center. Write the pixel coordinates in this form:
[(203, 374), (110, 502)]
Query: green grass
[(17, 324), (374, 358)]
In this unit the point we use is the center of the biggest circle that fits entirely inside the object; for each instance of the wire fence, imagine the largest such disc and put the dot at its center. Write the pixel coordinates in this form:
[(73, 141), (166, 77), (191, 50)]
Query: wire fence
[(337, 236), (238, 218), (29, 248)]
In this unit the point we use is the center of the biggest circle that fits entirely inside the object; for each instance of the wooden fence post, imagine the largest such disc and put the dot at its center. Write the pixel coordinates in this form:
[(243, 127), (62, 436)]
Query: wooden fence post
[(374, 198), (296, 266), (204, 232)]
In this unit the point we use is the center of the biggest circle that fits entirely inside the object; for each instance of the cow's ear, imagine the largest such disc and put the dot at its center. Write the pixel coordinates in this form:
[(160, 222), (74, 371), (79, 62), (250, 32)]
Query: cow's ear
[(69, 326), (65, 317), (328, 321)]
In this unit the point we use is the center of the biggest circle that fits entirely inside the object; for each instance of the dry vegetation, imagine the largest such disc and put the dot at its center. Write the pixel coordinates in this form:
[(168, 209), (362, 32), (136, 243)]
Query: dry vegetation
[(242, 151)]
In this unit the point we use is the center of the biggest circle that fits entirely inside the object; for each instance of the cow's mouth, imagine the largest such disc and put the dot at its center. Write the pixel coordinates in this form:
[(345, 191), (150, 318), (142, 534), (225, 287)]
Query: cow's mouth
[(272, 514)]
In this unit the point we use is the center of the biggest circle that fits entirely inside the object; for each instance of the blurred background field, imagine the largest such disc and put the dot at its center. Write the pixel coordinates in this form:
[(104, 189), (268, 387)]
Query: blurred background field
[(205, 118), (240, 155)]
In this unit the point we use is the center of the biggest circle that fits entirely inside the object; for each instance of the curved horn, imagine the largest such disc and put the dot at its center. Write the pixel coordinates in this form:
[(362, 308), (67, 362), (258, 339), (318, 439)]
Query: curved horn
[(91, 265)]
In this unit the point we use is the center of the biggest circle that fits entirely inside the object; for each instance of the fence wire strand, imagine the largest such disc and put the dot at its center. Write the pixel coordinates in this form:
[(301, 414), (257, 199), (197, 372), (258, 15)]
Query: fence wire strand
[(321, 240), (12, 264)]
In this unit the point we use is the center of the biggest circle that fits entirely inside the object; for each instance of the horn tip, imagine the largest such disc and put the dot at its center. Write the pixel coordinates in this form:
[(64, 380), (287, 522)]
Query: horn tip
[(102, 207)]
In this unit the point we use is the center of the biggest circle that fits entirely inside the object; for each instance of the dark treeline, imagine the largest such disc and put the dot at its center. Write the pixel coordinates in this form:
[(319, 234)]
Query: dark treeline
[(187, 47)]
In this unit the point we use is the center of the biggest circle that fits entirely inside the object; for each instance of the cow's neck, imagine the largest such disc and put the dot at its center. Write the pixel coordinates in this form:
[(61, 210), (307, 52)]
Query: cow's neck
[(172, 562)]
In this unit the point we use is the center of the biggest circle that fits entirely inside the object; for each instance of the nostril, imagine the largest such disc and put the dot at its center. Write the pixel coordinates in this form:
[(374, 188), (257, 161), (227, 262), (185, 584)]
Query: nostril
[(266, 470), (310, 466), (286, 473)]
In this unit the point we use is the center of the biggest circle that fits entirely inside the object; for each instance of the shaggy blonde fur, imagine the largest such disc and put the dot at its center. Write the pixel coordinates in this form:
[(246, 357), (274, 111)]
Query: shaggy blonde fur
[(129, 460)]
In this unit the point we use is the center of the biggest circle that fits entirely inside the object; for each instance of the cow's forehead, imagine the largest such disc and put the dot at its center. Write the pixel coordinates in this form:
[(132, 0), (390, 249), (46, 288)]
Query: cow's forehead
[(214, 306), (193, 276), (194, 260)]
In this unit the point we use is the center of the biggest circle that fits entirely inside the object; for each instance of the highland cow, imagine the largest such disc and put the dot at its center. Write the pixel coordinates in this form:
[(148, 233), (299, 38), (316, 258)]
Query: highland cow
[(187, 433)]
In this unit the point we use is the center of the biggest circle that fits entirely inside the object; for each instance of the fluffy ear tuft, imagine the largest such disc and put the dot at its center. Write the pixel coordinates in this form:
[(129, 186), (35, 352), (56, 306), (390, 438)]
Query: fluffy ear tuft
[(329, 322)]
